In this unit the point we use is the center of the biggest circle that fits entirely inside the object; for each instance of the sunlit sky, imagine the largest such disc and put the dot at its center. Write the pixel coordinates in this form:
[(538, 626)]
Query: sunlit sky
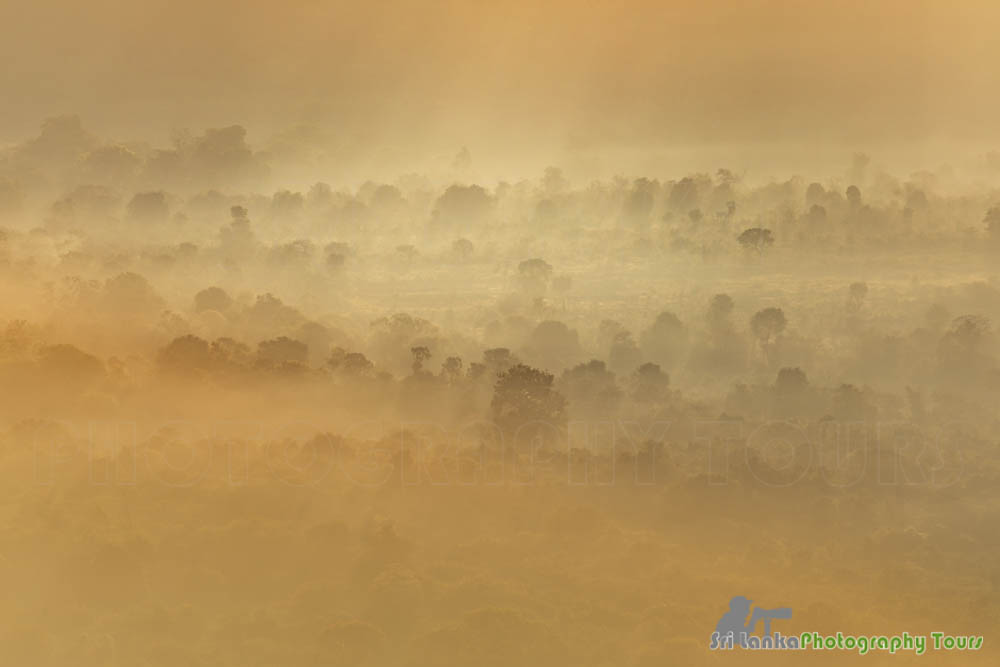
[(561, 75)]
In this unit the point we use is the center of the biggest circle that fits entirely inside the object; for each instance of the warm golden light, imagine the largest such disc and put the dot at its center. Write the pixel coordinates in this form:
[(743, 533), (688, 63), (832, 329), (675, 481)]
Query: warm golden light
[(465, 333)]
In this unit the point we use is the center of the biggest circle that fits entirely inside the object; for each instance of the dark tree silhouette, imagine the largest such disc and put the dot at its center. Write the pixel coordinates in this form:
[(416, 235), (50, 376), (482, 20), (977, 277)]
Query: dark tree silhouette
[(766, 324), (815, 195), (498, 359), (352, 364), (591, 390), (664, 341), (757, 239), (212, 298), (854, 197), (790, 381), (462, 205), (534, 275), (231, 355), (720, 311), (525, 403), (420, 355), (856, 296), (282, 350), (650, 384), (451, 369), (186, 354)]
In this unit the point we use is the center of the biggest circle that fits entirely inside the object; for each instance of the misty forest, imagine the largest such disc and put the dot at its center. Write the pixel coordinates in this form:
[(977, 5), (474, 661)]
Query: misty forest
[(445, 420)]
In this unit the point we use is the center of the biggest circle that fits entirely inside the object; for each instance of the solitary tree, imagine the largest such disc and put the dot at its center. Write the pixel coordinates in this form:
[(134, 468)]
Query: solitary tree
[(212, 298), (757, 239), (791, 392), (420, 355), (534, 275), (766, 325), (451, 369), (856, 296), (791, 381), (462, 205), (719, 311)]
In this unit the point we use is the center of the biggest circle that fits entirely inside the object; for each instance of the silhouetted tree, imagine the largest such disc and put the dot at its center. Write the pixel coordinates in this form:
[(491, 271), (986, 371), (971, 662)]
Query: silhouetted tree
[(498, 359), (462, 205), (849, 404), (231, 355), (407, 252), (352, 364), (639, 203), (525, 403), (790, 381), (294, 254), (721, 349), (854, 197), (720, 312), (815, 195), (237, 237), (420, 355), (186, 354), (816, 215), (766, 324), (451, 369), (791, 393), (856, 294), (757, 239), (684, 195), (212, 298), (623, 353), (665, 340), (965, 350), (553, 344), (591, 390), (534, 275), (650, 384)]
